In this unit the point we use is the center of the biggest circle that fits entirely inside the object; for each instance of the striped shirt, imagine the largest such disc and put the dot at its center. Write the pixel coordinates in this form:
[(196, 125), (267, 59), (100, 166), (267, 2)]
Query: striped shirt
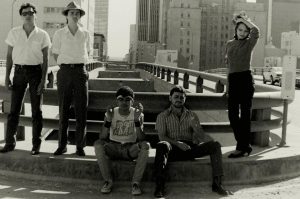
[(176, 128)]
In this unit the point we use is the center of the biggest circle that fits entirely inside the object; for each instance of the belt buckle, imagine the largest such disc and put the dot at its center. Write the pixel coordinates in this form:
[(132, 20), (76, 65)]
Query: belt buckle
[(72, 65)]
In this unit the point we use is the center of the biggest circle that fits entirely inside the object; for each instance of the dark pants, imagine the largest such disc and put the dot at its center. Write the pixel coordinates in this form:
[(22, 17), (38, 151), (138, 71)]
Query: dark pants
[(167, 152), (23, 76), (72, 84), (241, 90)]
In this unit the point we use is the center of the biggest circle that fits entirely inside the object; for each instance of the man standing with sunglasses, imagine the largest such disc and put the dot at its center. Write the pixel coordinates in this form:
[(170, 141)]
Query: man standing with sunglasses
[(28, 50), (71, 48), (122, 138)]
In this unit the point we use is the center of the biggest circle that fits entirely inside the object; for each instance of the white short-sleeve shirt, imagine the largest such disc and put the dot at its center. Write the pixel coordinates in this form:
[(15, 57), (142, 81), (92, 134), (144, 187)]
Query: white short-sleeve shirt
[(27, 50), (71, 49)]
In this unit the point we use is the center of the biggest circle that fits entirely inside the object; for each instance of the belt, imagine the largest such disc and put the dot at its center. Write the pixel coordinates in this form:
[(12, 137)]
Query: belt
[(18, 66), (115, 142), (72, 65)]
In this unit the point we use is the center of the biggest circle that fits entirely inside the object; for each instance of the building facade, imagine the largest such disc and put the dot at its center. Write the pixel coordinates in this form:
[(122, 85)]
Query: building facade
[(101, 24), (184, 32), (285, 17), (49, 17), (147, 30)]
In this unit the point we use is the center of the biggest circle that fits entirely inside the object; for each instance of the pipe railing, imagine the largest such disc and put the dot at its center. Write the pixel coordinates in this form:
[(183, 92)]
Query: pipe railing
[(263, 103), (261, 112), (220, 80)]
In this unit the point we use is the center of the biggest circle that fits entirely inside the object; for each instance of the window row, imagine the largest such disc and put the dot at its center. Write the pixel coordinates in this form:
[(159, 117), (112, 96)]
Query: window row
[(53, 9)]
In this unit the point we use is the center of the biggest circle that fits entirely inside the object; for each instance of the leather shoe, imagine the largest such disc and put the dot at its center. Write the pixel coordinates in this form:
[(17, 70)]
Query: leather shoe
[(35, 150), (218, 187), (239, 154), (159, 192), (60, 151), (7, 148), (80, 152)]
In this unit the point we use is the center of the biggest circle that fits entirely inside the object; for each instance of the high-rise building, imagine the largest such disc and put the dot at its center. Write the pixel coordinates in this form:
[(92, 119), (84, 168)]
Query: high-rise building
[(133, 45), (184, 31), (147, 29), (217, 29), (49, 17), (101, 22), (163, 22), (285, 17)]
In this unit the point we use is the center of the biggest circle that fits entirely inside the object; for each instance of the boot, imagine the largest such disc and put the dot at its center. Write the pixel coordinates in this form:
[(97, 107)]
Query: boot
[(218, 187), (159, 190)]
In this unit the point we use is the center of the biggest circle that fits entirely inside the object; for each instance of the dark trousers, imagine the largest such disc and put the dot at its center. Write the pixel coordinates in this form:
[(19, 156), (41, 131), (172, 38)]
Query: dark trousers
[(241, 90), (23, 76), (166, 152), (72, 84)]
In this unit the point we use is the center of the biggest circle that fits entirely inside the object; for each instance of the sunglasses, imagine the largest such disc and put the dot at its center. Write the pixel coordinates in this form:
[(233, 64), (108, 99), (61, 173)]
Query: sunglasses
[(124, 99), (30, 13)]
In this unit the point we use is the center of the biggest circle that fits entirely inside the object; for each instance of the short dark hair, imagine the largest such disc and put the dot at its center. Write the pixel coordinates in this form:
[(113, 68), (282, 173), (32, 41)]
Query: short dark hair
[(26, 5), (178, 89), (125, 91)]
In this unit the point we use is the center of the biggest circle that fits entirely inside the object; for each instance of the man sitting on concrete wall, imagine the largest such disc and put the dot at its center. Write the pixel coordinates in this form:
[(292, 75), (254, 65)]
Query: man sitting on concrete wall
[(122, 138)]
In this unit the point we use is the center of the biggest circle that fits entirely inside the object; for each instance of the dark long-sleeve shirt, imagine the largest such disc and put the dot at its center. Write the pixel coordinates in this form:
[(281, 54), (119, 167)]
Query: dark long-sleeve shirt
[(239, 52)]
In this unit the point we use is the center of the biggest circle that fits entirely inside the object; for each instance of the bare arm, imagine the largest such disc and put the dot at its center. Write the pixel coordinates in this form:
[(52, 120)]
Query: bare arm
[(105, 131), (55, 56), (139, 122), (44, 70), (140, 130), (9, 64)]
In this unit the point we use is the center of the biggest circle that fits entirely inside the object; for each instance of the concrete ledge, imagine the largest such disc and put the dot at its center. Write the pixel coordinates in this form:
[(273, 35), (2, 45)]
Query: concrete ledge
[(261, 166), (119, 74), (113, 84)]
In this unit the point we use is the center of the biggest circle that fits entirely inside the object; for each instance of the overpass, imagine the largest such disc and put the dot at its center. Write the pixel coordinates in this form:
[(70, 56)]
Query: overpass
[(153, 83)]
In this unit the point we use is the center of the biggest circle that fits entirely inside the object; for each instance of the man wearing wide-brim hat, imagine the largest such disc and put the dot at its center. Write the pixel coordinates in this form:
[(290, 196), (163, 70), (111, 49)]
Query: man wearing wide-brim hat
[(71, 48)]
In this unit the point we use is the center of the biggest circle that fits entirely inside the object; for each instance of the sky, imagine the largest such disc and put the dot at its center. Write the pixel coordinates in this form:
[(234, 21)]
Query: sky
[(122, 13)]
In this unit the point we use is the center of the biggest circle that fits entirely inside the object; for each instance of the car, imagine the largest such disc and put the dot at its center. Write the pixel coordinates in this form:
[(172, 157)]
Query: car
[(297, 81), (272, 74)]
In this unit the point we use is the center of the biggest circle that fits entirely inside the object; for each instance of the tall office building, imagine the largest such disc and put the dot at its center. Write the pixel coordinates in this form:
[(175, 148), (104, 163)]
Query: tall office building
[(184, 31), (285, 17), (101, 24), (217, 29), (133, 45), (163, 22), (147, 29), (49, 17)]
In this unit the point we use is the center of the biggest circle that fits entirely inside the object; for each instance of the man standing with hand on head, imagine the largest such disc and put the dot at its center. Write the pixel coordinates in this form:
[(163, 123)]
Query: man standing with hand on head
[(28, 50), (71, 48)]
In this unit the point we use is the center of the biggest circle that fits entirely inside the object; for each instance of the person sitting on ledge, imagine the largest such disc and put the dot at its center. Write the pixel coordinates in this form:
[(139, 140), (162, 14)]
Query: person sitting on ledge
[(122, 138), (182, 138)]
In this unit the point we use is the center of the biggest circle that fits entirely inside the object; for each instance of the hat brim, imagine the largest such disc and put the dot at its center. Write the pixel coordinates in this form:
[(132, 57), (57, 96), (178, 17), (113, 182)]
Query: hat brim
[(65, 12)]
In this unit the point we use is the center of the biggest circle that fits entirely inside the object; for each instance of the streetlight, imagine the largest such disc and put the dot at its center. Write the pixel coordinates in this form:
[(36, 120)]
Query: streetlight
[(12, 13)]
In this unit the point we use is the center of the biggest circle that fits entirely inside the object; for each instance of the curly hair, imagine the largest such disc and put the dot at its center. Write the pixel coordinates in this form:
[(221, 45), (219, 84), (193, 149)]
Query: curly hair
[(27, 5), (125, 91)]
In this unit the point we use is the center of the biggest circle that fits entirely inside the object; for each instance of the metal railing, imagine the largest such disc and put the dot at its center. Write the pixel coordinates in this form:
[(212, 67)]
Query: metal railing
[(263, 102), (265, 98)]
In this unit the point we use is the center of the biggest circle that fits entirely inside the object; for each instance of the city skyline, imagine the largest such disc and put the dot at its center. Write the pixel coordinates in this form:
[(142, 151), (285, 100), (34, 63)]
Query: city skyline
[(118, 45), (121, 15)]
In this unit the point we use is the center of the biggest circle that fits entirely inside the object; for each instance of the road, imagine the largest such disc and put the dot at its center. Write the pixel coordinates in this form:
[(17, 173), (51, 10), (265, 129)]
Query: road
[(19, 188)]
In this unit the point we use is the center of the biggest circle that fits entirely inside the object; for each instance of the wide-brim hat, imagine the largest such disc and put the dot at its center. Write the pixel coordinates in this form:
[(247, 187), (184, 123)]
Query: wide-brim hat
[(73, 6)]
